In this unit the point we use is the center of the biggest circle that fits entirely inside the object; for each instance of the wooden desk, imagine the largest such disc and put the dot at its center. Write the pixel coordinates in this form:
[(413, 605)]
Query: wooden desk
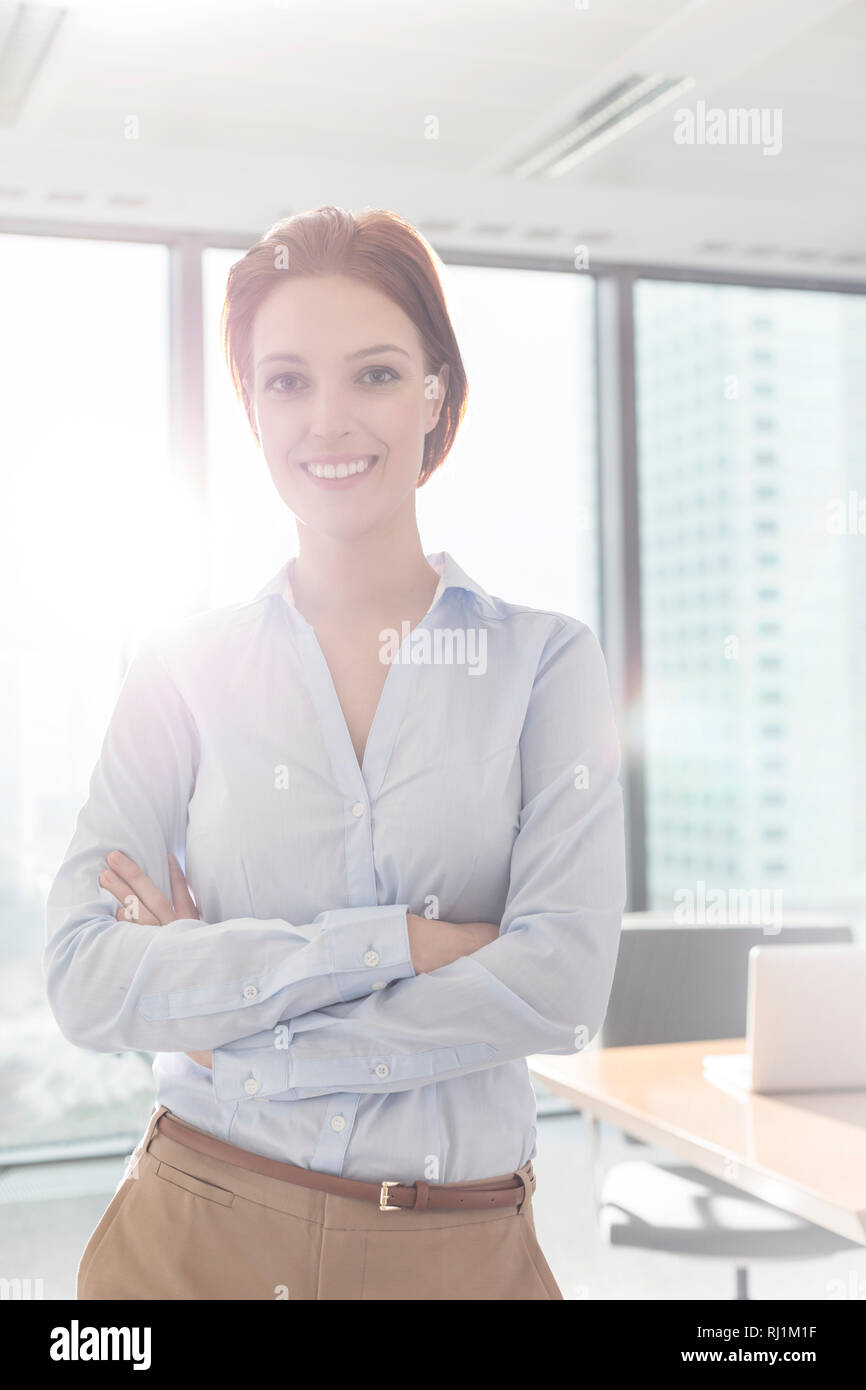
[(803, 1151)]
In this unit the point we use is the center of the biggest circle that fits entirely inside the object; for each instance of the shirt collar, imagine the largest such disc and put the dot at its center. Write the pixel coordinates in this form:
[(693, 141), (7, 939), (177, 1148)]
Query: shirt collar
[(452, 576)]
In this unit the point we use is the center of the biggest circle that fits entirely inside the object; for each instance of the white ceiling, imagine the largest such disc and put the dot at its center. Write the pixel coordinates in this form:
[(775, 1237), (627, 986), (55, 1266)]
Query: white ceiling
[(249, 109)]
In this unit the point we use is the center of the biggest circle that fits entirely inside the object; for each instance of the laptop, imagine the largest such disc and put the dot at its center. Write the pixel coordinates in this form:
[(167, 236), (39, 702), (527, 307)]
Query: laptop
[(806, 1021)]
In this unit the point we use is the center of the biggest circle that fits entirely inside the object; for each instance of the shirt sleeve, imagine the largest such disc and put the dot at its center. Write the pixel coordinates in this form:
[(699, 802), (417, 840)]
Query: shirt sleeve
[(187, 985), (544, 984)]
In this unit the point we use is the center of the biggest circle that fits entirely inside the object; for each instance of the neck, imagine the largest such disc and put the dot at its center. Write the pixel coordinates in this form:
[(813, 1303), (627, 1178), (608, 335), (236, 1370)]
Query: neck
[(360, 574)]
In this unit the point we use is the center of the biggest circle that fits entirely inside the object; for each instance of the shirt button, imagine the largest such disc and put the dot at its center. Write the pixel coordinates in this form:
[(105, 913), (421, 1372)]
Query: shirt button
[(382, 1070), (380, 984), (251, 1086), (358, 808), (338, 1123), (371, 957), (250, 991)]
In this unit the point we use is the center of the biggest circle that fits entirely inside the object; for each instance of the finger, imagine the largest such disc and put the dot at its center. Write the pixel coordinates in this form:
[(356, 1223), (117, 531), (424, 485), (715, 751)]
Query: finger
[(132, 911), (143, 887), (135, 911), (184, 905), (115, 884)]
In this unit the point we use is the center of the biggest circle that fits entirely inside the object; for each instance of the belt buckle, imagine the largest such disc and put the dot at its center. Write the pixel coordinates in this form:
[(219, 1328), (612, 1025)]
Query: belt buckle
[(383, 1196)]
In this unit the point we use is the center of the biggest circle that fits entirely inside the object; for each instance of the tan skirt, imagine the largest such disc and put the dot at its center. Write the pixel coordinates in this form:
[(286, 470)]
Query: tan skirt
[(184, 1225)]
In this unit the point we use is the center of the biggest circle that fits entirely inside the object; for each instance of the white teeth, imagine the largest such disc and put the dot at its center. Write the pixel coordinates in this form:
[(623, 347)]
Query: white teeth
[(342, 470)]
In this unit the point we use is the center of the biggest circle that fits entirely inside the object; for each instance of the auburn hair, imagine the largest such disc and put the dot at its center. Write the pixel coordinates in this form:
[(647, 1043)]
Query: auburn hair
[(377, 247)]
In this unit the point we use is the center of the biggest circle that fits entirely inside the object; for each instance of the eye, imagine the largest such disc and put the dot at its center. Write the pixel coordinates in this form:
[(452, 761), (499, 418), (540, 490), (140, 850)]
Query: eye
[(285, 376), (392, 375)]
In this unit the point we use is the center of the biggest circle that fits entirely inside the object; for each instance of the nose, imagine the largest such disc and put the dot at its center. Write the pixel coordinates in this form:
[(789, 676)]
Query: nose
[(329, 412)]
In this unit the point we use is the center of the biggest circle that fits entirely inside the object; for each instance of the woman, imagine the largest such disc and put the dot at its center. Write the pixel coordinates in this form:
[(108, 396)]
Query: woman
[(421, 775)]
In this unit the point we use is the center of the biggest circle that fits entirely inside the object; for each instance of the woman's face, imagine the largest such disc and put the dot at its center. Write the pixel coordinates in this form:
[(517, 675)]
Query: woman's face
[(338, 377)]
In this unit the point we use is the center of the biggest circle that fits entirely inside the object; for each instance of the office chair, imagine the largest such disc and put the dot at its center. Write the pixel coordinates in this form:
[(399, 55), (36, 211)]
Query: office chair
[(677, 983)]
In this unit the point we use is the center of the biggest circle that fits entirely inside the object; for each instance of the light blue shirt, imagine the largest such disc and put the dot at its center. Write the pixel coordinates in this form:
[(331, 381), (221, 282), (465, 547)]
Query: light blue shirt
[(489, 792)]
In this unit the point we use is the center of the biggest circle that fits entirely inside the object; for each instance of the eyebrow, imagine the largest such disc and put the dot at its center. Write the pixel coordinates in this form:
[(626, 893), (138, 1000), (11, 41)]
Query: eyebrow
[(350, 357)]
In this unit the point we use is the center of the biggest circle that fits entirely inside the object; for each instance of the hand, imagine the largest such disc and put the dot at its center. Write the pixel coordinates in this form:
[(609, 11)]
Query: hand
[(433, 943), (141, 901), (140, 898), (204, 1059)]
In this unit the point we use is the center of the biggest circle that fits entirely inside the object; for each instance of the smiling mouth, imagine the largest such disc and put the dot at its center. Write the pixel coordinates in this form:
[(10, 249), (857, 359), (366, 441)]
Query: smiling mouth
[(341, 472)]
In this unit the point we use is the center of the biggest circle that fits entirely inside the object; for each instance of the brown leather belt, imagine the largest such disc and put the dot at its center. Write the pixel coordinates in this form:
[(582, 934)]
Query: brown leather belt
[(390, 1195)]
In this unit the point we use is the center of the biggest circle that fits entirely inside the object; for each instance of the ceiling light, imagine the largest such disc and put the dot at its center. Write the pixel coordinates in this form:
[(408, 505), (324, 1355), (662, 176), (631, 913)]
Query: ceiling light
[(619, 110)]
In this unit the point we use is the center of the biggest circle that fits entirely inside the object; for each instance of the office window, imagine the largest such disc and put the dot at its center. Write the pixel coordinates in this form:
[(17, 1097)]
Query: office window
[(514, 502), (778, 583), (87, 566), (249, 531)]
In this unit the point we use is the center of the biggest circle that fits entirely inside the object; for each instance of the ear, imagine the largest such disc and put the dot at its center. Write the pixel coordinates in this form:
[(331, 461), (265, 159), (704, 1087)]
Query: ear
[(438, 399)]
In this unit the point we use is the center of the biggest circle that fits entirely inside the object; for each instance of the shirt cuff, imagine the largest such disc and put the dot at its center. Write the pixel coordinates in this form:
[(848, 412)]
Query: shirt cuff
[(255, 1067), (369, 955)]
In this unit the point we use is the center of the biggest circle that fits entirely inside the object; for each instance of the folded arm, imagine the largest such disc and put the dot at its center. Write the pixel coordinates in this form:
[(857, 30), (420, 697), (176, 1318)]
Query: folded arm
[(544, 984), (115, 985)]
